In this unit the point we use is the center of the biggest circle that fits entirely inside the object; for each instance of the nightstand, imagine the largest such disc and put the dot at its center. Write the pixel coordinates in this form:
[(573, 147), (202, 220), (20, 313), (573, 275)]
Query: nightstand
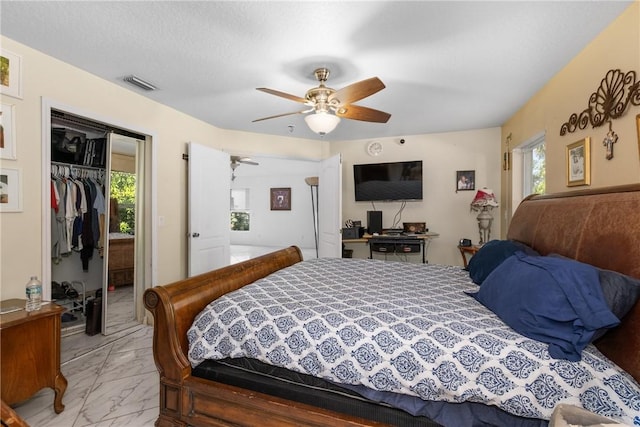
[(471, 250), (30, 357)]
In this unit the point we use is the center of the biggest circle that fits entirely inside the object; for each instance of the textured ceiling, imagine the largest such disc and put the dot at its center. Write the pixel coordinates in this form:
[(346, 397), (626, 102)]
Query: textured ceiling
[(448, 66)]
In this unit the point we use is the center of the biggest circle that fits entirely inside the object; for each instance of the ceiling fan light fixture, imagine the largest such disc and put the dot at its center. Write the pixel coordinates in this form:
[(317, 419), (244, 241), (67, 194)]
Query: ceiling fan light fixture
[(322, 123)]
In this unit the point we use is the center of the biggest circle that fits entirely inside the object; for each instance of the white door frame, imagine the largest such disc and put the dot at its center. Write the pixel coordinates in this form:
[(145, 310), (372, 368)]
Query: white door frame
[(149, 262)]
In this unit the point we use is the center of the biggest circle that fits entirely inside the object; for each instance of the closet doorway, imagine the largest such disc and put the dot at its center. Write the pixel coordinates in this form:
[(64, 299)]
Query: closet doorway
[(109, 272)]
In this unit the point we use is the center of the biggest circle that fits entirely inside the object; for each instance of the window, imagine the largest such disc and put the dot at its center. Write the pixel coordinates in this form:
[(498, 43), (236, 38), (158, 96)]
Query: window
[(528, 173), (123, 202), (240, 216), (529, 165), (533, 180)]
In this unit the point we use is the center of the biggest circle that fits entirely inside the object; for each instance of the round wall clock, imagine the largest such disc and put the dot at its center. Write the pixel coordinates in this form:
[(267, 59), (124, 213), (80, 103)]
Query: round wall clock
[(374, 148)]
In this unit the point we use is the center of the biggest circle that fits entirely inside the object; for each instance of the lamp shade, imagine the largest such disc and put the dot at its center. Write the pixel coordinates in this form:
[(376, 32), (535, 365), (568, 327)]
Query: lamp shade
[(484, 199), (322, 123)]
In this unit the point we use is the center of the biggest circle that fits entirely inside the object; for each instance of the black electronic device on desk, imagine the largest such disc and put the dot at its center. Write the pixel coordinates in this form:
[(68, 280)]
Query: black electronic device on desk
[(352, 233)]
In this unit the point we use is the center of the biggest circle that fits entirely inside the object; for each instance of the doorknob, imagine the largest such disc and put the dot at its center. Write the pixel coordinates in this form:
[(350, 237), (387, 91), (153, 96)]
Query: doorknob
[(195, 235)]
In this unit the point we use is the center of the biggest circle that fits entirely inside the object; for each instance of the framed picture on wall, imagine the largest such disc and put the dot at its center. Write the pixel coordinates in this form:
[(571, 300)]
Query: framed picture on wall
[(11, 74), (578, 163), (10, 190), (638, 126), (7, 132), (465, 180), (281, 199)]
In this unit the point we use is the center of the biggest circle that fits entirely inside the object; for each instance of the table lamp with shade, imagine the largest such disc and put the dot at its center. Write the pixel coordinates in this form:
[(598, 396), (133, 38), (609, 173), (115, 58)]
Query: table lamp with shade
[(483, 202)]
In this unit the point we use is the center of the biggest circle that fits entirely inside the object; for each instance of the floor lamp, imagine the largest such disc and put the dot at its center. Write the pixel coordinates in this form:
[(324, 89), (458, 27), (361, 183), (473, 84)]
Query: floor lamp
[(483, 202), (312, 181)]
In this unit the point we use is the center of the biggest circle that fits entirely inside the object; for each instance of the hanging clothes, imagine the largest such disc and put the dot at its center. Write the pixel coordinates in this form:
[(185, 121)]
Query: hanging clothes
[(77, 198)]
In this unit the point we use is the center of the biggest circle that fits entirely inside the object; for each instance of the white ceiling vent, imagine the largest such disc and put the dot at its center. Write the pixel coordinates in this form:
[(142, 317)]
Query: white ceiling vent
[(137, 81)]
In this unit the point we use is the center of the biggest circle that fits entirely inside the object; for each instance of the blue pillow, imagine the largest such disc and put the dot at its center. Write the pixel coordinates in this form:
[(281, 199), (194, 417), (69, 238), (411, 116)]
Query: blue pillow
[(620, 291), (491, 255), (552, 300)]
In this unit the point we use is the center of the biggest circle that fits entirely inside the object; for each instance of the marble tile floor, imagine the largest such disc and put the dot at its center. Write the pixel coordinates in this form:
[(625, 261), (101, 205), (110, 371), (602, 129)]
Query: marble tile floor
[(120, 309), (113, 382), (112, 379)]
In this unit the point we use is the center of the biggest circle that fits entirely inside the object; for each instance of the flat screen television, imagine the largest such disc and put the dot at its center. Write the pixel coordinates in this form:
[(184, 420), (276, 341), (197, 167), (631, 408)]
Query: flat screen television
[(388, 181)]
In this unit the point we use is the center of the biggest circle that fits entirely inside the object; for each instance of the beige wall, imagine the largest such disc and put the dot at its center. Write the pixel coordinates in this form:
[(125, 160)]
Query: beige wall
[(46, 77), (617, 47), (444, 210)]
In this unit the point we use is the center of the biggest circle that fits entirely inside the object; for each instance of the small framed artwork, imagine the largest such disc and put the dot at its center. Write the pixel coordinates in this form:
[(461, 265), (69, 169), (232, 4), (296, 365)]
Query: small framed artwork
[(11, 74), (281, 199), (7, 132), (10, 190), (579, 163), (465, 180)]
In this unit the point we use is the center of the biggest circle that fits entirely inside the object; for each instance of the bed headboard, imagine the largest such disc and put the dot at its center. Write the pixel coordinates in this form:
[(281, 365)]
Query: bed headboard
[(599, 227)]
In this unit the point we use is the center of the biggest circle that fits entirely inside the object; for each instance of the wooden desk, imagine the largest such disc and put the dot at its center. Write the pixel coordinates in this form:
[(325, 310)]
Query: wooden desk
[(464, 250), (30, 356), (423, 239)]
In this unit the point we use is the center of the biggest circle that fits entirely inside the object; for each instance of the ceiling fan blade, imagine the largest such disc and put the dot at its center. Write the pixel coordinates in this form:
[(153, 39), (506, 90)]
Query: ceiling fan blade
[(365, 114), (244, 160), (357, 91), (283, 95), (248, 162), (279, 115)]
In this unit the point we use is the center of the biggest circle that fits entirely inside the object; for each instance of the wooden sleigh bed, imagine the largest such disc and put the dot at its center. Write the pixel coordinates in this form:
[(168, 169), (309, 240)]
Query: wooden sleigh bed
[(600, 227)]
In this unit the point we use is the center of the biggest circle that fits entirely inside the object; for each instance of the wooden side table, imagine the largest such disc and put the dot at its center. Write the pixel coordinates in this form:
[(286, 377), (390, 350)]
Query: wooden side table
[(471, 250), (30, 357)]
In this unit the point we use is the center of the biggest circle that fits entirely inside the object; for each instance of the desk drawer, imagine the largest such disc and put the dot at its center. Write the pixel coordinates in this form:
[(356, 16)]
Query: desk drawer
[(383, 246), (395, 247), (408, 247)]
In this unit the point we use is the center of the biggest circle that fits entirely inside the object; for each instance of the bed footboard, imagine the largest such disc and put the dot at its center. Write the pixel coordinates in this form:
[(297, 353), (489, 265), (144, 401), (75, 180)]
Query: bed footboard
[(174, 307)]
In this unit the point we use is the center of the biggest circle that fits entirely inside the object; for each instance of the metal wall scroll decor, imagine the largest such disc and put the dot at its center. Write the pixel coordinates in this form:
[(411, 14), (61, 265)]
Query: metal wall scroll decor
[(617, 90)]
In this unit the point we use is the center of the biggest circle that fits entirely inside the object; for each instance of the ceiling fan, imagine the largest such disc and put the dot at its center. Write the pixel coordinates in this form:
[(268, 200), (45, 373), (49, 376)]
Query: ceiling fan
[(237, 161), (329, 105)]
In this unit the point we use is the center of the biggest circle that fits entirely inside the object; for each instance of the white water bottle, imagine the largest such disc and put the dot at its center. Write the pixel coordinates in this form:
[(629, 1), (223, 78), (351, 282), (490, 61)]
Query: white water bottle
[(34, 294)]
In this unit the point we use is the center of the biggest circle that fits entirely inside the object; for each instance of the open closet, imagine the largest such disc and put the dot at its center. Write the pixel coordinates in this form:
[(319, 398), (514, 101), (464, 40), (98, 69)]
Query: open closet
[(94, 202)]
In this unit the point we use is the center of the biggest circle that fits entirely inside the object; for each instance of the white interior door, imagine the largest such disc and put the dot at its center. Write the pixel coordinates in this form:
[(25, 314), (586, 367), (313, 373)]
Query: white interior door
[(330, 208), (209, 192)]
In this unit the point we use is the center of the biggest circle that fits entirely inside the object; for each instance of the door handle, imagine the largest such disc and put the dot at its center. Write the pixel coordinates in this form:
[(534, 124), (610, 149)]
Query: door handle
[(195, 235)]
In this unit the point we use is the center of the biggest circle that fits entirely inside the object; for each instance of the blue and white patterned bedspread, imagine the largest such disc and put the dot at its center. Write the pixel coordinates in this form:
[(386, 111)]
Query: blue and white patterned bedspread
[(405, 328)]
